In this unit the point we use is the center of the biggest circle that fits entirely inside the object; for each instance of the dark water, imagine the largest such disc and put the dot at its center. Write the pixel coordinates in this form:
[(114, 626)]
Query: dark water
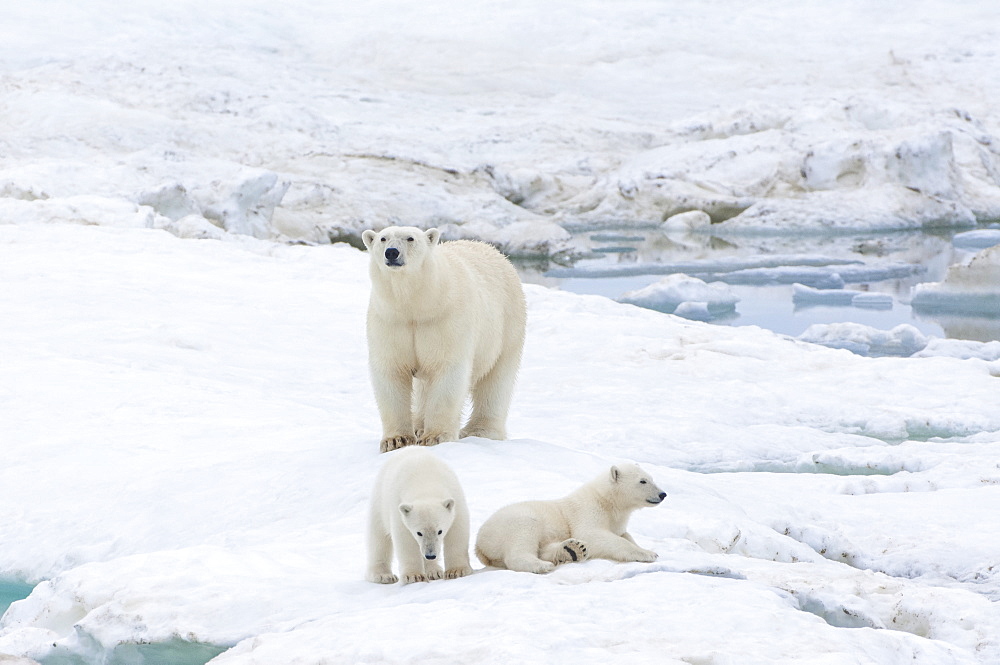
[(769, 303)]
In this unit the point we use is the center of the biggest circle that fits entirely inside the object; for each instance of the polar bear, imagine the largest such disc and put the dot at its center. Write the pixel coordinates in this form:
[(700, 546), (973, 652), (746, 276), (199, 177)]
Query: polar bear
[(418, 509), (444, 320), (536, 536)]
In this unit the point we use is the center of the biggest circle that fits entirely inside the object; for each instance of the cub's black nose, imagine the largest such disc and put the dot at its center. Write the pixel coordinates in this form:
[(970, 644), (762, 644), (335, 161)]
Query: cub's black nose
[(663, 495), (430, 556), (391, 253)]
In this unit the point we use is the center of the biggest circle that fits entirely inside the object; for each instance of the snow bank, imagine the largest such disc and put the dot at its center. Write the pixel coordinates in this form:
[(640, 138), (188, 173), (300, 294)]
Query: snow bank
[(314, 123)]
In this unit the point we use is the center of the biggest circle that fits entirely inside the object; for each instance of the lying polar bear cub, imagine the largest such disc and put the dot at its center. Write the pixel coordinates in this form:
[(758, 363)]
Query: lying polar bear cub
[(419, 510), (536, 536)]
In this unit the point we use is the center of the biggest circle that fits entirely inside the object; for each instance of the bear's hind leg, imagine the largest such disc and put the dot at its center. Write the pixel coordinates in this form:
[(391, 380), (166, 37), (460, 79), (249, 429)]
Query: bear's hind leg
[(527, 563), (491, 397)]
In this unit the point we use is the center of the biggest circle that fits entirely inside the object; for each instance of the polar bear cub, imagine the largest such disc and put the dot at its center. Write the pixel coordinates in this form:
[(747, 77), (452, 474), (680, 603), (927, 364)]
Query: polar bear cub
[(536, 536), (444, 320), (419, 510)]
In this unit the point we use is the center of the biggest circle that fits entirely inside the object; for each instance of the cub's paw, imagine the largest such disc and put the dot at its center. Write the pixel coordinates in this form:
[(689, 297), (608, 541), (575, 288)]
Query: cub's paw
[(382, 578), (399, 441), (410, 578), (455, 573), (645, 556), (571, 550), (434, 572)]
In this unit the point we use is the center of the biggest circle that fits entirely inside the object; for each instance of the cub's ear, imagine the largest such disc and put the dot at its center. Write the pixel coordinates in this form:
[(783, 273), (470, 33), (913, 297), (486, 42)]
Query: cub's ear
[(368, 237), (405, 508), (615, 473), (449, 504), (433, 235)]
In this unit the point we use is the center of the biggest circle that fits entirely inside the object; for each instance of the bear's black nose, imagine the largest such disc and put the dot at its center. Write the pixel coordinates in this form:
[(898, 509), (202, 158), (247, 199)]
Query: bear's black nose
[(663, 495), (391, 253), (430, 556)]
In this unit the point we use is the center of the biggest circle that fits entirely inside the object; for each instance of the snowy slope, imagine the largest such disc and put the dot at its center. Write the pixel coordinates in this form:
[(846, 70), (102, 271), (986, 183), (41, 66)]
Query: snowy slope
[(190, 441)]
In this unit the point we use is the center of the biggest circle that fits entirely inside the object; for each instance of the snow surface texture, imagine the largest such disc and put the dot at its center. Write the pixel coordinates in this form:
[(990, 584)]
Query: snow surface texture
[(190, 442), (188, 429), (499, 119)]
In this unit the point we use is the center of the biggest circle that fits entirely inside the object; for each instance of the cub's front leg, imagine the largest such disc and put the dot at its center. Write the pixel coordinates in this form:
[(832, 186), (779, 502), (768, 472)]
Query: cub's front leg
[(606, 545)]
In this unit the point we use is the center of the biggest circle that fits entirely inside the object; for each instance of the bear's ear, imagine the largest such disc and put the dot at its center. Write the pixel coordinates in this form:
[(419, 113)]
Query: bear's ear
[(405, 508), (449, 504), (433, 235), (615, 473), (368, 237)]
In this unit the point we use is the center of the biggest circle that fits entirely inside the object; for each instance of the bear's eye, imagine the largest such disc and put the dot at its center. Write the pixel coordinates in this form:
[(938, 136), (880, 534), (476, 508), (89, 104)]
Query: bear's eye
[(382, 238), (420, 534), (642, 482), (440, 532), (409, 240)]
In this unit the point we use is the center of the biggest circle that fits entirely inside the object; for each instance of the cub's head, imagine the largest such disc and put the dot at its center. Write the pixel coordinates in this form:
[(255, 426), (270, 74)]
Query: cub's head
[(428, 522), (399, 247), (635, 487)]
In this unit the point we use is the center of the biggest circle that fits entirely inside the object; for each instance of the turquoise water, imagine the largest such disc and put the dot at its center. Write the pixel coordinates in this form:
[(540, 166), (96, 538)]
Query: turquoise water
[(12, 591), (639, 253)]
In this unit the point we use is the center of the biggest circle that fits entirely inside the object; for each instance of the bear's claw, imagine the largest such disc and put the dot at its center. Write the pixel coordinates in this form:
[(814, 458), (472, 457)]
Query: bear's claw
[(571, 550), (390, 443)]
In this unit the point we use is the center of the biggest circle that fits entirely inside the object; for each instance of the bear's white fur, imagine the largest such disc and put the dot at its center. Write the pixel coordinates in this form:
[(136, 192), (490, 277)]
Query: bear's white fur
[(444, 320), (536, 536), (417, 509)]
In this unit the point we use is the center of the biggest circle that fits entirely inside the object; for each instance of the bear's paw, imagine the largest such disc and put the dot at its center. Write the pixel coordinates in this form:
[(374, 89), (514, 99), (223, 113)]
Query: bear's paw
[(390, 443), (455, 573), (571, 550), (410, 578), (383, 578)]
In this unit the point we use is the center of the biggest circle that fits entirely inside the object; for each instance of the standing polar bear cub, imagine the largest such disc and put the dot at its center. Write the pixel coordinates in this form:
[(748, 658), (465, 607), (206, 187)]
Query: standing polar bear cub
[(536, 536), (444, 320), (417, 509)]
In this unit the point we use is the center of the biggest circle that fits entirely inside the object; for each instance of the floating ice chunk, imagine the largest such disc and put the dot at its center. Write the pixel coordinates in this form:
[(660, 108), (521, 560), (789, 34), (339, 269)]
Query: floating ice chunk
[(903, 340), (981, 239), (696, 311), (686, 221), (872, 300), (973, 288), (807, 295), (685, 296)]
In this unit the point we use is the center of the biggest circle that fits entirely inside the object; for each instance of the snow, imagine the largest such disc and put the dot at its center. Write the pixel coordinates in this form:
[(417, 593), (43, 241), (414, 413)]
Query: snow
[(189, 433), (191, 441)]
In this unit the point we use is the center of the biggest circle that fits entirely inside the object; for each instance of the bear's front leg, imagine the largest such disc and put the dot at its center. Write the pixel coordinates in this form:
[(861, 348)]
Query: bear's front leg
[(393, 390), (379, 552), (444, 395), (456, 547), (411, 561)]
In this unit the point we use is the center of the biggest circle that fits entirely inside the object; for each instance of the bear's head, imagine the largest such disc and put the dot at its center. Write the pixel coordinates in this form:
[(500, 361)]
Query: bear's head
[(635, 487), (399, 247), (428, 522)]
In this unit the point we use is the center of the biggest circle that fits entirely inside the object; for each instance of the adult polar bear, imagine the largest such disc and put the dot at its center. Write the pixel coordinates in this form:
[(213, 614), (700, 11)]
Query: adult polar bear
[(444, 320), (536, 536)]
